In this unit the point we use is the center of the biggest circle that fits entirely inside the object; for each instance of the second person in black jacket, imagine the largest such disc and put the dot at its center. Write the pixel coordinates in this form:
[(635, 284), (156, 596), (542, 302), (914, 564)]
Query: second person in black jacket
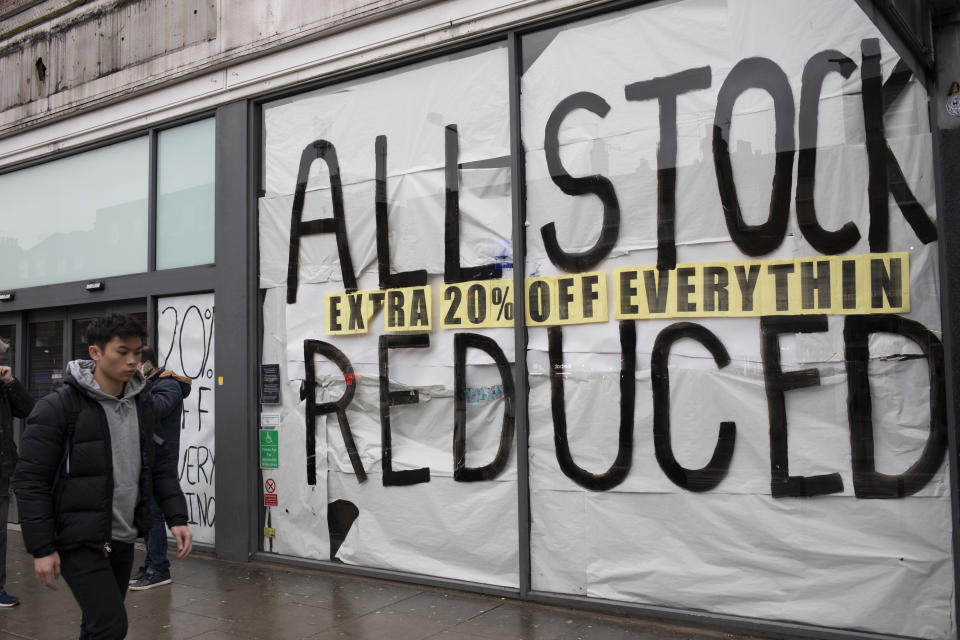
[(168, 390)]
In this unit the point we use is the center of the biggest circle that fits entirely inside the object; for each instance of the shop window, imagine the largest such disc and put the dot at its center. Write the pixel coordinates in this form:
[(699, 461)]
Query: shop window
[(185, 195), (84, 216)]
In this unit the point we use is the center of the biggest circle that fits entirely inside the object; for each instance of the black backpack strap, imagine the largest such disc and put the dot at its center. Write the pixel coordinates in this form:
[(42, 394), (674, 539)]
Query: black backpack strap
[(70, 401)]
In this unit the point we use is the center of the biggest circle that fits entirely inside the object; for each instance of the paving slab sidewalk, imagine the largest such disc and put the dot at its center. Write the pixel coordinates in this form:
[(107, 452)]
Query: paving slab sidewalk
[(216, 600)]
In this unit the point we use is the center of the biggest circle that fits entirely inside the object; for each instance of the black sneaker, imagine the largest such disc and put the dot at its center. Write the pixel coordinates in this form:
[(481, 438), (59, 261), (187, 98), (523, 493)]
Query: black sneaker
[(138, 576), (7, 600), (150, 580)]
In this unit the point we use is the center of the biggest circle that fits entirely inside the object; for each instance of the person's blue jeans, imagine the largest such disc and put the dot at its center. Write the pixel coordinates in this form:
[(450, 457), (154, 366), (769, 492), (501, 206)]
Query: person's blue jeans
[(156, 541)]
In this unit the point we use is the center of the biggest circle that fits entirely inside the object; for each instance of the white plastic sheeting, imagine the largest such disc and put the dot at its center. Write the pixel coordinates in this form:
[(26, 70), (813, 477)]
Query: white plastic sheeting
[(836, 560)]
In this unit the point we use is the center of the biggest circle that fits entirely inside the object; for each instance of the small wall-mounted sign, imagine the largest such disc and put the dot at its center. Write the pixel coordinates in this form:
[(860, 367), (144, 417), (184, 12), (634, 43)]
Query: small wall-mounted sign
[(95, 285), (269, 420), (270, 384), (6, 296)]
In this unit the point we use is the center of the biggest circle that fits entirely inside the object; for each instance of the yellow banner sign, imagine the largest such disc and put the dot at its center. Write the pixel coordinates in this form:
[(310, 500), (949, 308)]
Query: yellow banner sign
[(574, 299), (483, 304), (408, 309), (837, 285)]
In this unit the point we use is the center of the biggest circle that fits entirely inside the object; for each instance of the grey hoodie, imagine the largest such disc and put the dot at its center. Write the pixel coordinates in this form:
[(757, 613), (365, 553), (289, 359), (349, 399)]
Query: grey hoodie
[(124, 441)]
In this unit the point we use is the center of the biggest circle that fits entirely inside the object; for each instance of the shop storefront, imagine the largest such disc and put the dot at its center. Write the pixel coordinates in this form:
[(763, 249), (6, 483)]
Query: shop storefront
[(635, 306)]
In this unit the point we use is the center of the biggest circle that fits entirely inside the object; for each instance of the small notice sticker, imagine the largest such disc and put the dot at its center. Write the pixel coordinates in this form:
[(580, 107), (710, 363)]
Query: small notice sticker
[(269, 532), (269, 420), (270, 500)]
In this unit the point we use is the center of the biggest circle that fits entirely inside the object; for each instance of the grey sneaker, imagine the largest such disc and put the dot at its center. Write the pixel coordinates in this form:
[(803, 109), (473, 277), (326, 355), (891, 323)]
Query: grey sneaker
[(150, 580), (138, 576)]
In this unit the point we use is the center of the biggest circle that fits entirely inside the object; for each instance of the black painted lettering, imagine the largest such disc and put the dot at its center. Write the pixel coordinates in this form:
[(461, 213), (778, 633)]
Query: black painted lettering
[(452, 271), (716, 470), (777, 383), (461, 472), (389, 399), (314, 410), (665, 90), (886, 176), (756, 73), (389, 280), (596, 185), (318, 150), (867, 481), (628, 366), (814, 72)]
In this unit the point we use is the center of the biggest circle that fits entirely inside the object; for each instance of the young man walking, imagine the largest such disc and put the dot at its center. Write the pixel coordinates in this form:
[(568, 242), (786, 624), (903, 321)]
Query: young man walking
[(15, 402), (91, 457), (168, 391)]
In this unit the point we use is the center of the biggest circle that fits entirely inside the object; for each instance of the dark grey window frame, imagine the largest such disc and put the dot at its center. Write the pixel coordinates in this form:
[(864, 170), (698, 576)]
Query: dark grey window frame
[(525, 592)]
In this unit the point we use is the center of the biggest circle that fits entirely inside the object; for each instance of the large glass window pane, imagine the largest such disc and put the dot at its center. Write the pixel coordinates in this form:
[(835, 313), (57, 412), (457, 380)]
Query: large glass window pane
[(185, 176), (709, 443), (80, 217), (418, 161)]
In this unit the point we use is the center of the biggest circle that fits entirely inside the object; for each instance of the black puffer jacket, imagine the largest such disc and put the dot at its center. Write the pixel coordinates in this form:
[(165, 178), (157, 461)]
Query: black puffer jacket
[(15, 402), (63, 510)]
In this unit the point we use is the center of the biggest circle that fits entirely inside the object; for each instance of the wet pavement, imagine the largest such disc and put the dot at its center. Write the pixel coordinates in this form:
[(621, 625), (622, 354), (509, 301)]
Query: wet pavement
[(216, 600)]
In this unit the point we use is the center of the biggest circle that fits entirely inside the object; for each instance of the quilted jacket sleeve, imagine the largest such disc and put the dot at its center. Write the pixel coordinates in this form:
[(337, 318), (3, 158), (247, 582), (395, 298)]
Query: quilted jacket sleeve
[(41, 451)]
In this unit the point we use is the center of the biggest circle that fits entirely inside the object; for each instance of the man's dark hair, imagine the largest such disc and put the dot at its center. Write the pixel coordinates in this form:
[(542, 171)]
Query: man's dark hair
[(147, 355), (116, 325)]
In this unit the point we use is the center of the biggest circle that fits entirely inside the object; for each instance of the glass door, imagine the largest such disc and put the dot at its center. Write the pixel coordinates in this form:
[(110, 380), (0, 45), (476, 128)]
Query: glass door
[(45, 357)]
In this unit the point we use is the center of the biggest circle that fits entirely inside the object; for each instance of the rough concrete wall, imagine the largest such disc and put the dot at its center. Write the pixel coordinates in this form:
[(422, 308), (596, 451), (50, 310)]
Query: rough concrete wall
[(94, 52)]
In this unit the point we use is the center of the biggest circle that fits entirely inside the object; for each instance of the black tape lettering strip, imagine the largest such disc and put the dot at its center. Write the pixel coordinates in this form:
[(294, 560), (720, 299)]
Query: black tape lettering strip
[(312, 348), (618, 471), (318, 150), (756, 73), (814, 73), (777, 383), (452, 271), (867, 481), (596, 184), (388, 280), (461, 472), (717, 468), (885, 172), (665, 90), (389, 399)]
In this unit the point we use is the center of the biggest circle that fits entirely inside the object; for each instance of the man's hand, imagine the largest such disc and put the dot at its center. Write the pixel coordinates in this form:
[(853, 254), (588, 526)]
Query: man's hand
[(184, 540), (47, 569), (6, 374)]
